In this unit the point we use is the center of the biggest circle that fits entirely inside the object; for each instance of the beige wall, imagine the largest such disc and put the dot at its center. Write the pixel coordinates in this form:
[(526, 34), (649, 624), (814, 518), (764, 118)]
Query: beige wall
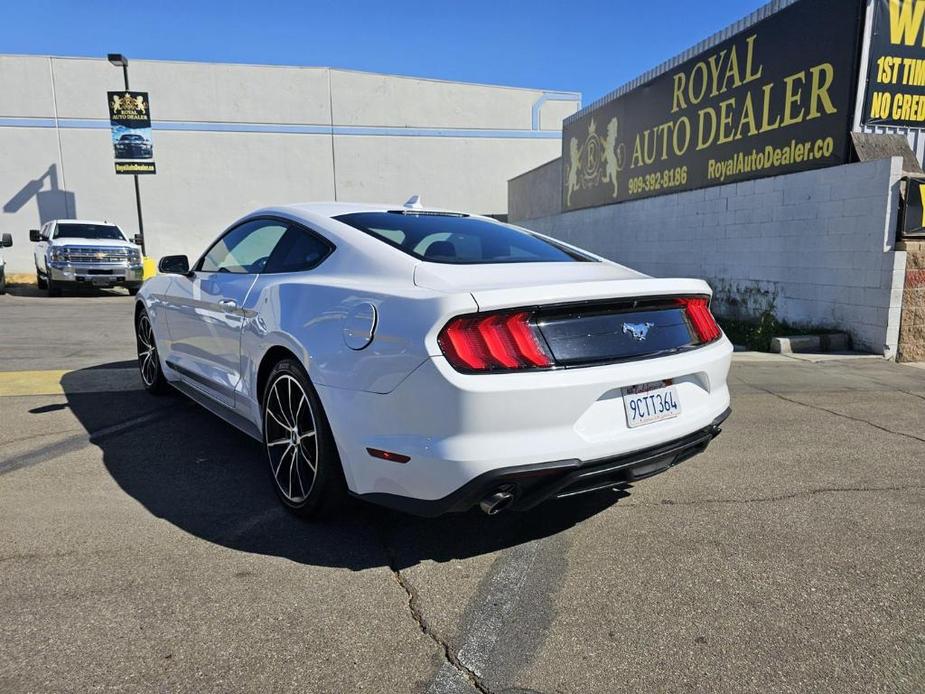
[(455, 144)]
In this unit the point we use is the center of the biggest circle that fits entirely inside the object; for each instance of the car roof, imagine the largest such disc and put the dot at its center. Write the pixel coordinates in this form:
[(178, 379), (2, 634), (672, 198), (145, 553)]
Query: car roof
[(334, 209)]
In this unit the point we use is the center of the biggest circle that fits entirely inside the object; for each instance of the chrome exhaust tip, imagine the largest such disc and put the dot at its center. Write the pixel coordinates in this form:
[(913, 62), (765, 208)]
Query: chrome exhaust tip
[(496, 502)]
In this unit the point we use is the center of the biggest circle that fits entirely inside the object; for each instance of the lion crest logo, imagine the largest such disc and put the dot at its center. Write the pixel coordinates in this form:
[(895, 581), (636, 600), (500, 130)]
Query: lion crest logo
[(128, 104), (596, 161)]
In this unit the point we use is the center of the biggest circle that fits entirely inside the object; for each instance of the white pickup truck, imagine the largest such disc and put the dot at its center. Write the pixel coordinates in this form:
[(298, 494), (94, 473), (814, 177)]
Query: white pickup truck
[(76, 252)]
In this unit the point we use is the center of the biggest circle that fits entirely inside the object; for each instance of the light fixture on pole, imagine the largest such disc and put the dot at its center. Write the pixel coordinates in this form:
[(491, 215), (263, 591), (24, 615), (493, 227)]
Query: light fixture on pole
[(119, 60)]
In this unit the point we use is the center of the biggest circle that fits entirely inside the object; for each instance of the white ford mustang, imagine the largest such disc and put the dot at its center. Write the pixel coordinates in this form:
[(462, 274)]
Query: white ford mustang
[(432, 361)]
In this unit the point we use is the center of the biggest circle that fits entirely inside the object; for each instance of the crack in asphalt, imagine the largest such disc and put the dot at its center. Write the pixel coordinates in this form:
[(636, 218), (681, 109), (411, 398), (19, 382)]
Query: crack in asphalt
[(418, 616), (781, 497), (836, 413), (448, 655), (888, 387), (78, 441), (45, 435)]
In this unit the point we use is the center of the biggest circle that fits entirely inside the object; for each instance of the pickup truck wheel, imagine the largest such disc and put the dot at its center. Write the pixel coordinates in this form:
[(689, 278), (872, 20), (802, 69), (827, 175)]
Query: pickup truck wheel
[(132, 291), (53, 289), (2, 281), (40, 279), (149, 365), (303, 461)]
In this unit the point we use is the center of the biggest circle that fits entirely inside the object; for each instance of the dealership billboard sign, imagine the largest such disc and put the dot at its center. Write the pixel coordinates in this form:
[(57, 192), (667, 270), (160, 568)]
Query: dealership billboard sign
[(130, 121), (775, 98), (895, 93)]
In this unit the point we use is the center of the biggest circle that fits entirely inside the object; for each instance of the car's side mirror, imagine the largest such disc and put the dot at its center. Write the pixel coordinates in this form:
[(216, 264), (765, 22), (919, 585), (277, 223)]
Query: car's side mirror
[(174, 265), (6, 240), (35, 235), (138, 240)]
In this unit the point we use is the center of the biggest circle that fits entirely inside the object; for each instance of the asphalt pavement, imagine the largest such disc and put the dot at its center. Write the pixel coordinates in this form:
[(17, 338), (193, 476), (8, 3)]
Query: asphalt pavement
[(142, 548)]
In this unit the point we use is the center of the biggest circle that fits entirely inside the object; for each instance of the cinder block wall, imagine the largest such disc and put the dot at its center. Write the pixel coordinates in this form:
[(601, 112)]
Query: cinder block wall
[(816, 248), (536, 193), (912, 325)]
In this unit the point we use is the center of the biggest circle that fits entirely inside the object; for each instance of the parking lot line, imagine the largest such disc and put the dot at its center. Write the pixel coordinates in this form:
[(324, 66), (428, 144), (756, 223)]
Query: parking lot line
[(31, 382), (61, 382)]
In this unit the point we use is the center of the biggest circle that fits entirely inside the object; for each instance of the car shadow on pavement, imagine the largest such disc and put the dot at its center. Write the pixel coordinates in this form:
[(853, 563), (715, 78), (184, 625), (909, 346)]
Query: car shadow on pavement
[(190, 468)]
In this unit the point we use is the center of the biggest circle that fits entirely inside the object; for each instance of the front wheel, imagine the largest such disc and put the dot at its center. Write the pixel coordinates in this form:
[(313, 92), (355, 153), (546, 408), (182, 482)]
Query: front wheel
[(40, 279), (52, 287), (149, 365), (301, 453)]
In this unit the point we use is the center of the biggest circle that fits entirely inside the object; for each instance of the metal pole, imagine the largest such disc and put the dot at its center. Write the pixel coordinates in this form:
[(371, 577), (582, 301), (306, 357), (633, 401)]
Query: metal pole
[(141, 224)]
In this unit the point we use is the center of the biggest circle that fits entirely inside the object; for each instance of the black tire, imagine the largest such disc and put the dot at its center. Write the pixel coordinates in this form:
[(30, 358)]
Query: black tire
[(2, 282), (293, 420), (53, 289), (149, 364), (40, 279), (132, 291)]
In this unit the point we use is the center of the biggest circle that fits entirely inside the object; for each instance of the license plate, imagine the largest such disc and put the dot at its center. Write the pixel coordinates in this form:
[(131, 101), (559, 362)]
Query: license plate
[(102, 281), (650, 402)]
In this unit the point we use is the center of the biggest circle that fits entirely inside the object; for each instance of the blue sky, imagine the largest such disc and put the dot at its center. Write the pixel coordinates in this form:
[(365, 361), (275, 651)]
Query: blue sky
[(588, 46)]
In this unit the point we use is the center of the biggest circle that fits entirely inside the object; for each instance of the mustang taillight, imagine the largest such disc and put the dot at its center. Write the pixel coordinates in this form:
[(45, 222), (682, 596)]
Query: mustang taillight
[(698, 313), (494, 341)]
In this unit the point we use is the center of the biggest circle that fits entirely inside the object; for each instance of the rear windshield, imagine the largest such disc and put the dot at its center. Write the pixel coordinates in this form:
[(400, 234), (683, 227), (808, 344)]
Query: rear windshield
[(458, 239), (88, 231)]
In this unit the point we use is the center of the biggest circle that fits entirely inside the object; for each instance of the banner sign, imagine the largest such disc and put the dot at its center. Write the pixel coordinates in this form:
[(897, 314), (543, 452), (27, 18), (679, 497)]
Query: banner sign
[(776, 98), (130, 119), (895, 92)]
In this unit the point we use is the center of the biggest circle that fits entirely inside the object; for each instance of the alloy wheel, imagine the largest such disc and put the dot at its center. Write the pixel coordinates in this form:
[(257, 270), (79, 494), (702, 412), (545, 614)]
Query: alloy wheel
[(147, 352), (291, 440)]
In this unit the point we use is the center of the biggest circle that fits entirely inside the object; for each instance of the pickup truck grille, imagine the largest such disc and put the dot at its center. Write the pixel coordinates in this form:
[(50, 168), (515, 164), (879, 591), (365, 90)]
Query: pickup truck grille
[(94, 255)]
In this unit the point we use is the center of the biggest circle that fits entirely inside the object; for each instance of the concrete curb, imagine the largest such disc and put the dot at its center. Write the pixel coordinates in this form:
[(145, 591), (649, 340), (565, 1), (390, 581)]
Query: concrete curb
[(833, 342)]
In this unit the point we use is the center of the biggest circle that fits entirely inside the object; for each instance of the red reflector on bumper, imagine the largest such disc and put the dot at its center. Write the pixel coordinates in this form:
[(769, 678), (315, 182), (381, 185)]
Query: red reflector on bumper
[(388, 455)]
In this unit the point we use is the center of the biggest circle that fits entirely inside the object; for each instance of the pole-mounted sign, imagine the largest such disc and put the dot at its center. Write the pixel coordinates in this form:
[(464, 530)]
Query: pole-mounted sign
[(130, 118), (896, 67)]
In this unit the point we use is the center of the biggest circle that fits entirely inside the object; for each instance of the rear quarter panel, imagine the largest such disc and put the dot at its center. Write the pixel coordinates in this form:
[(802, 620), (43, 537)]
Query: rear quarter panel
[(307, 316)]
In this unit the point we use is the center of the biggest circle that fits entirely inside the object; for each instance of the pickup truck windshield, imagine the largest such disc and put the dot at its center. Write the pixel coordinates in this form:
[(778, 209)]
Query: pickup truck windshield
[(459, 239), (88, 231)]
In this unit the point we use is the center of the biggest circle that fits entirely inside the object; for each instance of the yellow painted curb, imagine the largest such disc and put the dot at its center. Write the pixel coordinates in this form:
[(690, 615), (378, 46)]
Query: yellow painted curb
[(20, 278), (31, 383), (150, 267)]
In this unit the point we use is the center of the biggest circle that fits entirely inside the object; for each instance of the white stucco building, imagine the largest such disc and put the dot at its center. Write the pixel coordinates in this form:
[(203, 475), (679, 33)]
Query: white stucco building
[(229, 138)]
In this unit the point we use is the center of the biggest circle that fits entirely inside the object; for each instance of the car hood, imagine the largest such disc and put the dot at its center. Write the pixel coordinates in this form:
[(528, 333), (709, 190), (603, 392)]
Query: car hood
[(96, 243)]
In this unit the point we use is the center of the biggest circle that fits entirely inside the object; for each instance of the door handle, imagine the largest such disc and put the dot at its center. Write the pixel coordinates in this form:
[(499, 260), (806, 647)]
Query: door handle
[(228, 304)]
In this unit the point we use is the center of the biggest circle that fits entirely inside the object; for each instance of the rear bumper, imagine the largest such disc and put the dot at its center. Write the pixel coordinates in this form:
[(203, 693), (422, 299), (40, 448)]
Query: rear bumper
[(533, 484), (456, 427)]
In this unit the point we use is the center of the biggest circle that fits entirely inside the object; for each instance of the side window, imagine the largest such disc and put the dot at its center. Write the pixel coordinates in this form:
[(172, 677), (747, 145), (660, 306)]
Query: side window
[(46, 231), (393, 235), (246, 249), (299, 250)]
